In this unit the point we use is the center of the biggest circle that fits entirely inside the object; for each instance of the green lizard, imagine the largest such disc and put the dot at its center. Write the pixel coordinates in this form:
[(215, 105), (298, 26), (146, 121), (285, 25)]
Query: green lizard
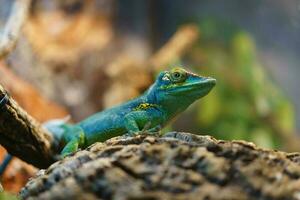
[(172, 92)]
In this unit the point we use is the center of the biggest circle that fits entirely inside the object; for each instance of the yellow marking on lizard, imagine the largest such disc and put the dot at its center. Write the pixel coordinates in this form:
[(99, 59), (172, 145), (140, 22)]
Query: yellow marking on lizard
[(145, 106)]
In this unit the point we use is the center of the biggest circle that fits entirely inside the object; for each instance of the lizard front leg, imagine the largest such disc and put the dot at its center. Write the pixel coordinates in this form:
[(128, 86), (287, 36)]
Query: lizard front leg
[(140, 122)]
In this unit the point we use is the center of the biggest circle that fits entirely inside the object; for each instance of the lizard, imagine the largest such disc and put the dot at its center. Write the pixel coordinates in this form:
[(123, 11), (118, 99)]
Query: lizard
[(171, 93)]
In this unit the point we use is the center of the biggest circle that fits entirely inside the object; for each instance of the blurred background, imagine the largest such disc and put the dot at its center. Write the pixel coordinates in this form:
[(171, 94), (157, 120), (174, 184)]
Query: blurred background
[(78, 57)]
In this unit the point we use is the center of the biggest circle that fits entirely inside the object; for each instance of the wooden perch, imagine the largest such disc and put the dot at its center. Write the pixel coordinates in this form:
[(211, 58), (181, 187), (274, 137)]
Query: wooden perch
[(22, 136), (13, 26), (39, 107), (175, 166)]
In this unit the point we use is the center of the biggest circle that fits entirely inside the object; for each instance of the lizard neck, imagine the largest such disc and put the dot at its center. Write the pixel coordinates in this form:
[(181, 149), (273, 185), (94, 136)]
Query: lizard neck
[(169, 107)]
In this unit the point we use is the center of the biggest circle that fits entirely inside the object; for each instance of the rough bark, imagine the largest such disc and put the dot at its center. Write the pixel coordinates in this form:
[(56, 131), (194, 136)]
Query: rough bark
[(175, 166), (22, 136)]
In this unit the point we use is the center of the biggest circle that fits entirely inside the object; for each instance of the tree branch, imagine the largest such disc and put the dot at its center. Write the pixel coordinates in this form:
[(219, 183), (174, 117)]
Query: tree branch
[(13, 26), (175, 166), (23, 136)]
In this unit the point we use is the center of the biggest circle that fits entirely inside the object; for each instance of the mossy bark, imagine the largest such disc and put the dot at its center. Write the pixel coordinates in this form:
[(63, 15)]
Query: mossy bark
[(175, 166)]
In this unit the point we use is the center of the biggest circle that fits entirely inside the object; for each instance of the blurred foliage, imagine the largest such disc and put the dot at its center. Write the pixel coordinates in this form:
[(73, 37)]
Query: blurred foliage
[(7, 196), (246, 104)]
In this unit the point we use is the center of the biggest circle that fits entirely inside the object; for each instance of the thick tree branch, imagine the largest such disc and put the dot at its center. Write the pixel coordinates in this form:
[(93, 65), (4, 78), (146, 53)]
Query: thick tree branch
[(175, 166), (13, 26), (23, 136)]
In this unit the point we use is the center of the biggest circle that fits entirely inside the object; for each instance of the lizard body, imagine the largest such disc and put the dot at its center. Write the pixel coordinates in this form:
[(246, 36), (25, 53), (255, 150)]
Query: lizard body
[(171, 93)]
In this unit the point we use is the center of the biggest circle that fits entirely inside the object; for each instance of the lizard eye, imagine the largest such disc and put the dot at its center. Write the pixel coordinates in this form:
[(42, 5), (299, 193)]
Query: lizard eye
[(178, 75)]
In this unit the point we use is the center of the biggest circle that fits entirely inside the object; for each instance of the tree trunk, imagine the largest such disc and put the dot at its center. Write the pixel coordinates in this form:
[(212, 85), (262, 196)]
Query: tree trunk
[(175, 166), (22, 136)]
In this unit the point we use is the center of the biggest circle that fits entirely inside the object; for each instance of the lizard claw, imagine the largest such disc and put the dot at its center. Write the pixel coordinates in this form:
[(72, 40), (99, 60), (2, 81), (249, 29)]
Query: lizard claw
[(145, 131)]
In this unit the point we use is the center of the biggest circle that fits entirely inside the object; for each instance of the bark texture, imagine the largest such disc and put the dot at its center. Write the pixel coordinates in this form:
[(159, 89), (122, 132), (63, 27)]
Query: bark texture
[(175, 166), (22, 136)]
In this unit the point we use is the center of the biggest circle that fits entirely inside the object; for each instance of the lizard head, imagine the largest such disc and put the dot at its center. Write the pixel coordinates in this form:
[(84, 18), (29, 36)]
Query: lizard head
[(181, 85)]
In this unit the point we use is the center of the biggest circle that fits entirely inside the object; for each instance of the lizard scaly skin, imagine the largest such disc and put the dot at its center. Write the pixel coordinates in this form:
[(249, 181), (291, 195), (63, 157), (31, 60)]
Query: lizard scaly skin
[(171, 93)]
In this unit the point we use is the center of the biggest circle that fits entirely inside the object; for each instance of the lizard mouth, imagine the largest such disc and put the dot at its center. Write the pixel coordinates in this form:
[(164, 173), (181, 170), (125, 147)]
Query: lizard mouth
[(199, 88), (208, 84)]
